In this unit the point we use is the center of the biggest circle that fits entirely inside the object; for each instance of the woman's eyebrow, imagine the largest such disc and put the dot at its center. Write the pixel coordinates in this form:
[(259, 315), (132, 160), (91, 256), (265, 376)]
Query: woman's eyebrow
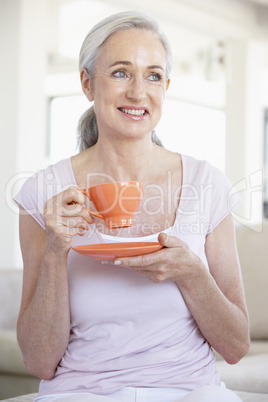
[(128, 63), (155, 66)]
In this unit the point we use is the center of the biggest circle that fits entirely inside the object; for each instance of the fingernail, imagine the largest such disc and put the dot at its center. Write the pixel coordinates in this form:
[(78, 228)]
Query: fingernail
[(117, 262)]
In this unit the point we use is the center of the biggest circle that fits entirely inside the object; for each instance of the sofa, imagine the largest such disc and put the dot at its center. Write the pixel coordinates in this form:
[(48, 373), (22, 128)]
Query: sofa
[(14, 378), (248, 378), (250, 375)]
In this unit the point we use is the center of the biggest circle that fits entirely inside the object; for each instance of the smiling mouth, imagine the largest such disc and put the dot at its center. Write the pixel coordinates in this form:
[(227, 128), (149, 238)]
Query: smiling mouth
[(133, 112)]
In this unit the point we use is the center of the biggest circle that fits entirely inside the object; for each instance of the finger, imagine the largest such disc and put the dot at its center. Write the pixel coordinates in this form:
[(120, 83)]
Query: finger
[(155, 277), (75, 231), (62, 231), (72, 194), (59, 211), (139, 261), (72, 210), (169, 241), (67, 225), (76, 222), (66, 197), (82, 186)]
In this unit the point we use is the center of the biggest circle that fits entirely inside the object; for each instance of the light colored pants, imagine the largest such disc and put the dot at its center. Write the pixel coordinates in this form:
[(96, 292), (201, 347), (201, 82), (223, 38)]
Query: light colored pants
[(209, 393)]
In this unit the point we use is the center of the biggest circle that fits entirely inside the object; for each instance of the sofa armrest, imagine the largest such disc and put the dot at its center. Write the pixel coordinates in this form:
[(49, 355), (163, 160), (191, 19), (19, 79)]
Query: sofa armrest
[(248, 375), (11, 357)]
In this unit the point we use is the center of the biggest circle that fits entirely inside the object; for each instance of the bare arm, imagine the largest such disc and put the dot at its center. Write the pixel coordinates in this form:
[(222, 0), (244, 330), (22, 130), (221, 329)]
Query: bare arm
[(216, 298), (43, 326)]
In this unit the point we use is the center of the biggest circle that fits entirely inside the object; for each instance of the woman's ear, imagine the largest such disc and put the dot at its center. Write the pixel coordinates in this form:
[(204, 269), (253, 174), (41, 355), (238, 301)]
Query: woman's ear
[(87, 85)]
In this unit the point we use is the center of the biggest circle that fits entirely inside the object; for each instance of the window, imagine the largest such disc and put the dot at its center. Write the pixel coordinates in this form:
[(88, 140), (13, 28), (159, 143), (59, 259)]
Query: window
[(65, 112), (194, 130)]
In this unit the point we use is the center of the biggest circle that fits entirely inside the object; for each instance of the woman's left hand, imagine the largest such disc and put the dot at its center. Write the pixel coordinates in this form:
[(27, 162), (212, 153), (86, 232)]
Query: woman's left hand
[(174, 262)]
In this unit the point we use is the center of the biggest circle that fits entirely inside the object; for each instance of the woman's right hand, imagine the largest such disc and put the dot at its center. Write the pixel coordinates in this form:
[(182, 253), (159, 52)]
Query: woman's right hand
[(65, 217)]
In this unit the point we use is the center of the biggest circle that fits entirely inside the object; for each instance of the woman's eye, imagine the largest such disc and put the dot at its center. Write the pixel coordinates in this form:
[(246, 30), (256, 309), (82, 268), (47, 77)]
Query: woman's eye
[(155, 77), (119, 74)]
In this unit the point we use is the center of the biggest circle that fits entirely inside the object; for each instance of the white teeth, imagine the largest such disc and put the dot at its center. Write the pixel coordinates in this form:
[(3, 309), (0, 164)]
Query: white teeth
[(134, 112)]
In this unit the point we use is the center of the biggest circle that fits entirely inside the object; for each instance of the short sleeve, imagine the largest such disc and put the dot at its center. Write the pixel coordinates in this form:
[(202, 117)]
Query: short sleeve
[(223, 198), (42, 186), (31, 197)]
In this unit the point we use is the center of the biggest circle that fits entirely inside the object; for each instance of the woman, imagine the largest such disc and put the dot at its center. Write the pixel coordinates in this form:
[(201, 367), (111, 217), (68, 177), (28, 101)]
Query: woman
[(139, 327)]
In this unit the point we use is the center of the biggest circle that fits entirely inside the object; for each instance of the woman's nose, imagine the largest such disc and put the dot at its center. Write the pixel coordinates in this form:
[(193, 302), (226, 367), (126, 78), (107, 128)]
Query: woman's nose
[(136, 89)]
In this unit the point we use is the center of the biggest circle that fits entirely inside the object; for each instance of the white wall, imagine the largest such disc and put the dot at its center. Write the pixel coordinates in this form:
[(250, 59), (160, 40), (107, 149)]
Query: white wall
[(244, 126), (23, 109), (9, 45)]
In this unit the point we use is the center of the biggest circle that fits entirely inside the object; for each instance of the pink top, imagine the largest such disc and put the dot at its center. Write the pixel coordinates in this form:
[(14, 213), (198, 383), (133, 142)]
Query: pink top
[(126, 330)]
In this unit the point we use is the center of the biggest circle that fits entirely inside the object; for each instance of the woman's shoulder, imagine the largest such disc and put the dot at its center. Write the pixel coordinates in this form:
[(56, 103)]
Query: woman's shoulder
[(54, 173), (170, 159), (49, 180), (201, 170), (42, 185)]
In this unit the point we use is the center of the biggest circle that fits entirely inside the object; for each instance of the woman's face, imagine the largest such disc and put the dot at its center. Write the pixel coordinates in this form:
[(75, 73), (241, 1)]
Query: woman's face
[(129, 84)]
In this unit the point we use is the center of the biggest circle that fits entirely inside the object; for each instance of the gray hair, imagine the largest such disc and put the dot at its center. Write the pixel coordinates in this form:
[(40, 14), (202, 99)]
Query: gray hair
[(99, 34)]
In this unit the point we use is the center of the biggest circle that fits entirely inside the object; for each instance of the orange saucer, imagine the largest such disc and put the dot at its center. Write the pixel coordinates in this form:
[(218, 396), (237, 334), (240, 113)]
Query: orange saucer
[(111, 251)]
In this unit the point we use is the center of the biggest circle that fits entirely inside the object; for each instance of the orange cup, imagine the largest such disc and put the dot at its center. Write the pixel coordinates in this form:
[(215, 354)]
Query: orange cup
[(116, 202)]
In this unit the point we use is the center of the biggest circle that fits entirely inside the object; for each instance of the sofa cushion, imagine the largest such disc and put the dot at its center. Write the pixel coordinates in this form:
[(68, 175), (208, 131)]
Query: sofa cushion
[(245, 396), (14, 385), (253, 253), (250, 397), (22, 398), (10, 297), (11, 357), (258, 347), (250, 374)]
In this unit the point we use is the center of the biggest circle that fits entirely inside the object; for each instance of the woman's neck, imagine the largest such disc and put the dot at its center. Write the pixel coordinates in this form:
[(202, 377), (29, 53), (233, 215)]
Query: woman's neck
[(132, 160)]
